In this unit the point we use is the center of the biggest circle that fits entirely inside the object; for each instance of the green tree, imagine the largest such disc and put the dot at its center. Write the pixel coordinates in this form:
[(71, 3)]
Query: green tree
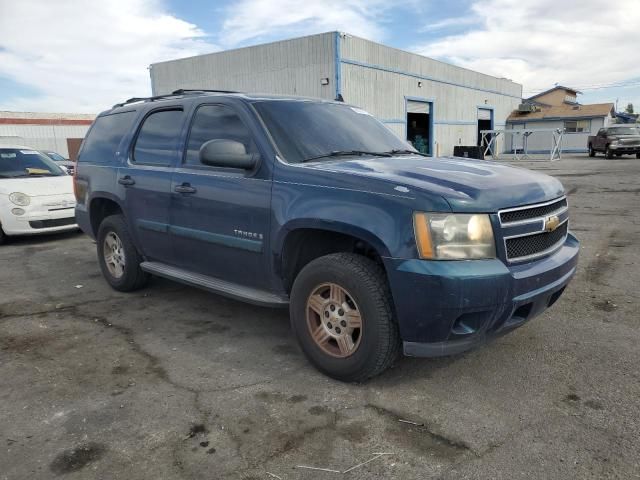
[(629, 108)]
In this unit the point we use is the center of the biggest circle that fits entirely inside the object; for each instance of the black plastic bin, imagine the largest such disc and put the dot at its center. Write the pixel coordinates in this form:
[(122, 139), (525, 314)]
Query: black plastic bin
[(468, 152)]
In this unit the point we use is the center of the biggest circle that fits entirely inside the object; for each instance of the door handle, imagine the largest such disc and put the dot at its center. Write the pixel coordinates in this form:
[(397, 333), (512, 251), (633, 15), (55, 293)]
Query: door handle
[(126, 181), (185, 188)]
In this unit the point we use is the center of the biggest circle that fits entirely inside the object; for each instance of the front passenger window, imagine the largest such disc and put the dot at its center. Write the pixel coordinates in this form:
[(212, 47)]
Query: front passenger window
[(214, 122)]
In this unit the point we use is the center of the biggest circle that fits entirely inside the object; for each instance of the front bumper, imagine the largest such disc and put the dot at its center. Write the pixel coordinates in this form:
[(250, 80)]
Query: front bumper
[(447, 307), (37, 222), (625, 149)]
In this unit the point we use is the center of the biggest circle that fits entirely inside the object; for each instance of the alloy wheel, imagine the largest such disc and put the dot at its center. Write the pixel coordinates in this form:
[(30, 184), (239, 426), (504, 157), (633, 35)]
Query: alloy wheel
[(334, 320)]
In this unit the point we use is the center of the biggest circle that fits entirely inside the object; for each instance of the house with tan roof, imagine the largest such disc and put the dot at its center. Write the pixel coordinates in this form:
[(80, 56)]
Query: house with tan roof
[(558, 108)]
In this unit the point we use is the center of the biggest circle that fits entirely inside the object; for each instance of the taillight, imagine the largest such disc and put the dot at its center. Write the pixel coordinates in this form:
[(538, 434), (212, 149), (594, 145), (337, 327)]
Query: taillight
[(76, 190)]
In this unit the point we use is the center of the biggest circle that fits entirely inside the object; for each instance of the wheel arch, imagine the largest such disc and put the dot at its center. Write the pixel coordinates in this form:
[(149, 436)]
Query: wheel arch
[(305, 240), (100, 207)]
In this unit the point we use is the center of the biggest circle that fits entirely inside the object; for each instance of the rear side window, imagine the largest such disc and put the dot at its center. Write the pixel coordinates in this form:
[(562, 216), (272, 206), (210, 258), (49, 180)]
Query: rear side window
[(158, 139), (105, 136), (214, 122)]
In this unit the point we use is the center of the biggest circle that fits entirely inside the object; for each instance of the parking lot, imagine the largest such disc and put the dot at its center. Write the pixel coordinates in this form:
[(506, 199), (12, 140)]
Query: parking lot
[(173, 382)]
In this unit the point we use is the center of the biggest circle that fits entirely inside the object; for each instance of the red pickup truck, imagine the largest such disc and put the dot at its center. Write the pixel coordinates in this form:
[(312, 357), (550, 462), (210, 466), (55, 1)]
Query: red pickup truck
[(615, 140)]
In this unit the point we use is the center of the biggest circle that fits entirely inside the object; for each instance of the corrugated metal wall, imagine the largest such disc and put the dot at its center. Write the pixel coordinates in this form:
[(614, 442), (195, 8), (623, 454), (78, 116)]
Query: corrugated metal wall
[(378, 78), (292, 67), (43, 137), (372, 76)]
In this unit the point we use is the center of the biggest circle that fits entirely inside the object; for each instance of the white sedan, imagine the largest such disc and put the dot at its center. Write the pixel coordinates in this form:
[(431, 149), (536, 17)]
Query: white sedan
[(36, 195)]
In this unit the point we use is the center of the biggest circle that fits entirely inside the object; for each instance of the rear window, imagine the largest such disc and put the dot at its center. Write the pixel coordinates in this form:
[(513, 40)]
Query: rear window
[(105, 136), (157, 142)]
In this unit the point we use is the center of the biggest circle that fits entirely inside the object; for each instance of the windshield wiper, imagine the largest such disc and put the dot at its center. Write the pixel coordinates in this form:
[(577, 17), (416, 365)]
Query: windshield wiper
[(406, 151), (343, 153)]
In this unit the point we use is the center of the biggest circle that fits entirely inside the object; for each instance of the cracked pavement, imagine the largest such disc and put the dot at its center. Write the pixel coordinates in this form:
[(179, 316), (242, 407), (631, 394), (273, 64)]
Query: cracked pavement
[(175, 383)]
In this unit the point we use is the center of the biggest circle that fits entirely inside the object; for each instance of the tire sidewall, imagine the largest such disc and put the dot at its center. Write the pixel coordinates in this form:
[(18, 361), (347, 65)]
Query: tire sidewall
[(117, 225), (307, 281)]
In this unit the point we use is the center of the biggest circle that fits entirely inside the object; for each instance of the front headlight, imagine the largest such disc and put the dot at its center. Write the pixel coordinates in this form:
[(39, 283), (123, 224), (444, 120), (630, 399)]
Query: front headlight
[(21, 199), (449, 236)]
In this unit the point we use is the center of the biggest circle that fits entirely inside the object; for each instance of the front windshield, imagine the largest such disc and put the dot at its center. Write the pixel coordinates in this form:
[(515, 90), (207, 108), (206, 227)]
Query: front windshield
[(624, 131), (18, 162), (55, 156), (305, 130)]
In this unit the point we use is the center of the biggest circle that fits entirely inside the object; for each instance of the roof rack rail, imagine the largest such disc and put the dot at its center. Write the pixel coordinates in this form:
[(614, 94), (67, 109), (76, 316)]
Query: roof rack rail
[(181, 91)]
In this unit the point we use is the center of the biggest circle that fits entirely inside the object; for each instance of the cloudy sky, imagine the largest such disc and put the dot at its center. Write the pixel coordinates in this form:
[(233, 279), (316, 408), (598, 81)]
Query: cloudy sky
[(83, 56)]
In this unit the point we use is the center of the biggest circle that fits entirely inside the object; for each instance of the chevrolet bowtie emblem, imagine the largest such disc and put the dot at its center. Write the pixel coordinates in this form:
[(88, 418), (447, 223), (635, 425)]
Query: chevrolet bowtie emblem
[(551, 223)]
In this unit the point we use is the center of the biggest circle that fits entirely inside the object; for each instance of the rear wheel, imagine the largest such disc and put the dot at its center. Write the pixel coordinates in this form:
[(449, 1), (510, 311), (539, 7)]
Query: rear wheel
[(342, 315), (608, 153), (118, 258), (592, 152)]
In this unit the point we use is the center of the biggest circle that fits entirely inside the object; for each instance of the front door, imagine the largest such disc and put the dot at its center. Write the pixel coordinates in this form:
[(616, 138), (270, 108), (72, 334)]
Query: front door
[(220, 216), (147, 181)]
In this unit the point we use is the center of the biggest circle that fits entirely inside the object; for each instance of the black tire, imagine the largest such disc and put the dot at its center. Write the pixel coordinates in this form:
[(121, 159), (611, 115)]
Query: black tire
[(608, 153), (3, 236), (592, 152), (637, 155), (366, 283), (132, 277)]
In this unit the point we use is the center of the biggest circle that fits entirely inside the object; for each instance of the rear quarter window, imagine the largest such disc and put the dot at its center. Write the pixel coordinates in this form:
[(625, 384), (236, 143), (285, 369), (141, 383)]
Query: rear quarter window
[(105, 136)]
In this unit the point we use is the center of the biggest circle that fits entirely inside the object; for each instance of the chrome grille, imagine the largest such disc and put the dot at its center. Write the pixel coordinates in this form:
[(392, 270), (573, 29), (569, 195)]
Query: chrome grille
[(535, 230), (521, 247), (534, 212)]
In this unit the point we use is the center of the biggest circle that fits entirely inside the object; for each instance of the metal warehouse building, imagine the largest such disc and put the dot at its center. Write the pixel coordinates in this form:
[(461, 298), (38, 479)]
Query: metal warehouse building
[(433, 104), (60, 132)]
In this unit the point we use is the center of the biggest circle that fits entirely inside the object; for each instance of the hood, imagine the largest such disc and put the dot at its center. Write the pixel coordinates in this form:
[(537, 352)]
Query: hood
[(38, 186), (467, 185)]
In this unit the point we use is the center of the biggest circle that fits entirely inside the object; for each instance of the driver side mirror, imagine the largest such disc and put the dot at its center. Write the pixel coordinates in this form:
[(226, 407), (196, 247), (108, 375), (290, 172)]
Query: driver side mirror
[(227, 153)]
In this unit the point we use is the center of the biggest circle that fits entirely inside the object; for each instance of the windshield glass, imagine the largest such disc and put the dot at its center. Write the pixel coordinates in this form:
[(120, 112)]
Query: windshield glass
[(55, 156), (304, 130), (624, 131), (17, 162)]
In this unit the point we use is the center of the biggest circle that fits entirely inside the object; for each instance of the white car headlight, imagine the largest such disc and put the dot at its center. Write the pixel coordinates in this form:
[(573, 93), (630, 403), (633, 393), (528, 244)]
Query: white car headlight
[(449, 236), (21, 199)]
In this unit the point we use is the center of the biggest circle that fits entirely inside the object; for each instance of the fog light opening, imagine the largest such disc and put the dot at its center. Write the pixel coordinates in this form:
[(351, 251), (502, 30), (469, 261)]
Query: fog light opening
[(18, 211), (469, 323)]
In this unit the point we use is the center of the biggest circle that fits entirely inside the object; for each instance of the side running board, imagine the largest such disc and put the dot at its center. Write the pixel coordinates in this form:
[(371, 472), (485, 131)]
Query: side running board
[(215, 285)]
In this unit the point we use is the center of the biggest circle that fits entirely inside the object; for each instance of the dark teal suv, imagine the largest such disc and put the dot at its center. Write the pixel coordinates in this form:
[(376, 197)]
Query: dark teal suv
[(316, 206)]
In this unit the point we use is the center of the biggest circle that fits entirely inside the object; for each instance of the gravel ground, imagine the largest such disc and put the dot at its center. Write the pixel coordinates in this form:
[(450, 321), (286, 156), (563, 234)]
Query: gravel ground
[(172, 382)]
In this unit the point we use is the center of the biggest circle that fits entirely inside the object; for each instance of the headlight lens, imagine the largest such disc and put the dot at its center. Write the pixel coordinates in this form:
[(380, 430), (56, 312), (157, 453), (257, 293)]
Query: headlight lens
[(447, 236), (21, 199)]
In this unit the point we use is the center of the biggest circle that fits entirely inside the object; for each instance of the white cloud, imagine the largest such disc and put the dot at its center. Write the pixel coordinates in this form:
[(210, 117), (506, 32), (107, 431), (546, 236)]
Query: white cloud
[(86, 56), (541, 42), (256, 19)]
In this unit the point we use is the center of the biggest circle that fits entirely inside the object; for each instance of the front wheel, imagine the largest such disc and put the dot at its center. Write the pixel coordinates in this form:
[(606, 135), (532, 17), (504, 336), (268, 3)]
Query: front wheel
[(637, 155), (118, 258), (592, 152), (342, 315), (608, 153), (3, 236)]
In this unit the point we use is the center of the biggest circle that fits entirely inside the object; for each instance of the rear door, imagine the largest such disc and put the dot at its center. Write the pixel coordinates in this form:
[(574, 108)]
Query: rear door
[(601, 139), (147, 180), (220, 216)]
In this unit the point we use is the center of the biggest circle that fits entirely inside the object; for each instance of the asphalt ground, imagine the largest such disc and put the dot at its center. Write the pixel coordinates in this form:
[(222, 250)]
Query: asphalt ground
[(175, 383)]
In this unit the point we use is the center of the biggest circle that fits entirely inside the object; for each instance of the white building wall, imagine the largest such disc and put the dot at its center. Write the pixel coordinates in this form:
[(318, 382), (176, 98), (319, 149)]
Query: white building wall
[(378, 78), (372, 76), (291, 67), (42, 137), (543, 142)]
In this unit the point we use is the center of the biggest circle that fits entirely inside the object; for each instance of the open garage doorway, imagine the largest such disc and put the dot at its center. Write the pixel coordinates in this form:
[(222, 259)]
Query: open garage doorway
[(420, 124), (485, 122)]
